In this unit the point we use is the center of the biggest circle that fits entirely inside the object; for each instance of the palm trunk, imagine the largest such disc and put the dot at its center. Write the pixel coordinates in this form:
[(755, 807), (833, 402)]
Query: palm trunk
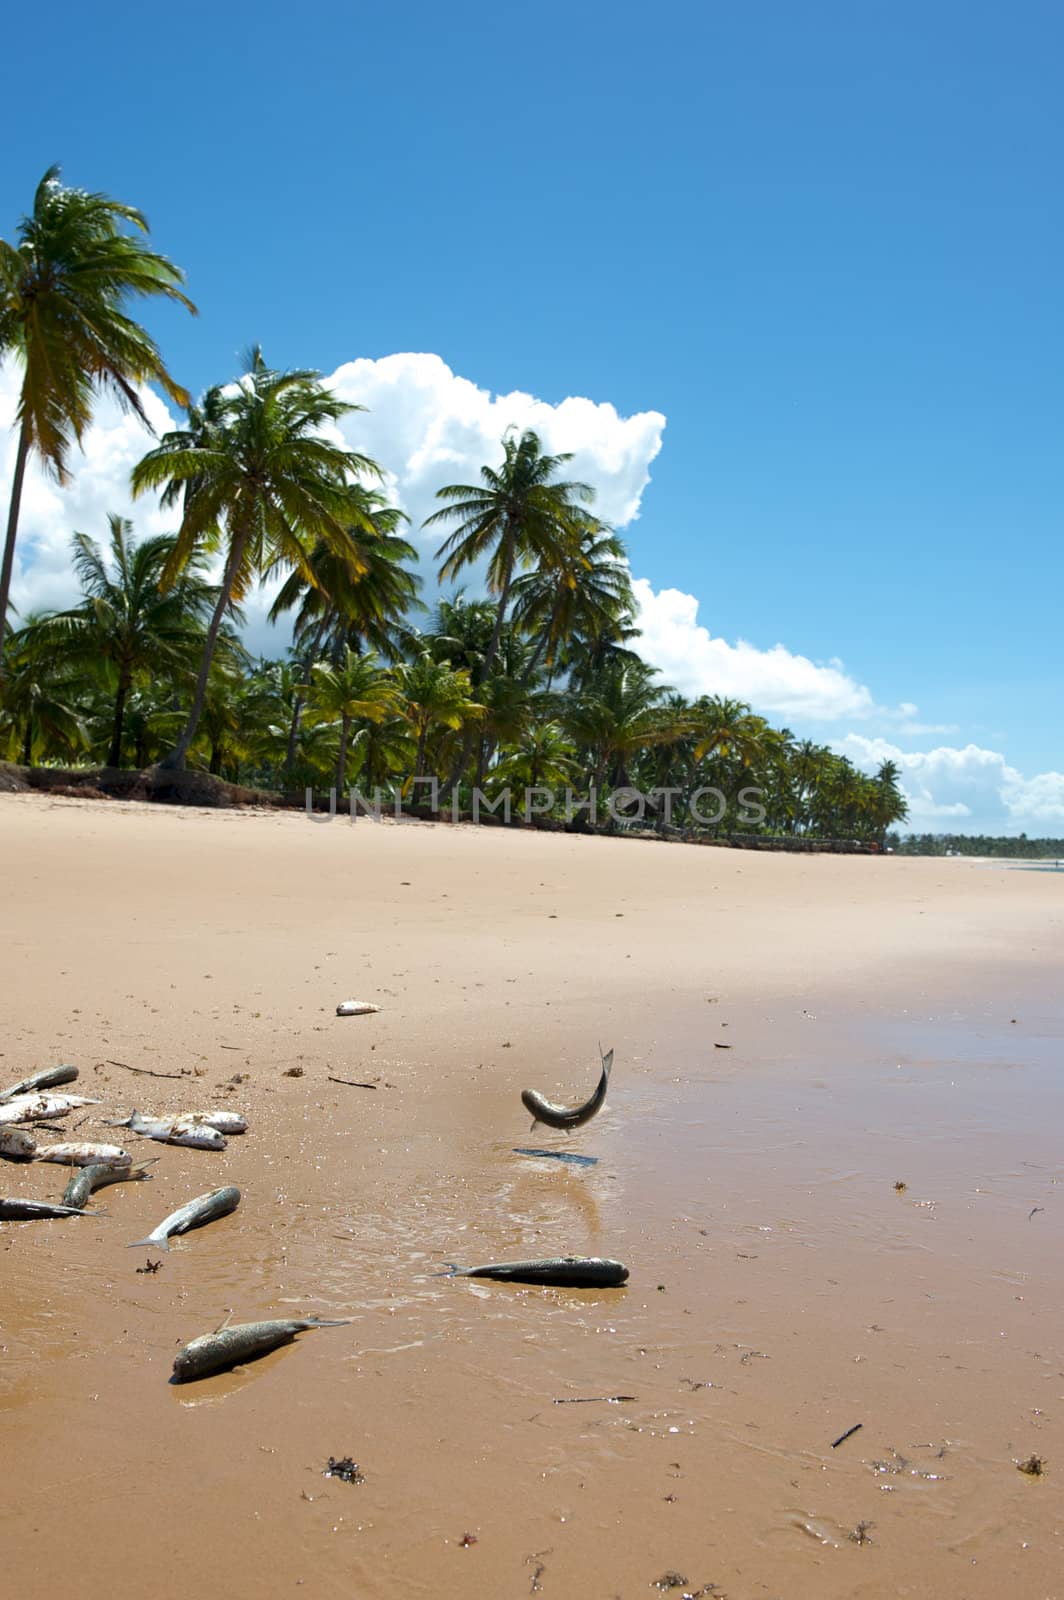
[(114, 755), (300, 702), (341, 760), (27, 743), (12, 528), (544, 639), (175, 761), (462, 762)]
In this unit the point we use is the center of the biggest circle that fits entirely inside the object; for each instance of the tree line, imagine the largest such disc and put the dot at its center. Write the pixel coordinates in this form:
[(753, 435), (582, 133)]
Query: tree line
[(538, 684)]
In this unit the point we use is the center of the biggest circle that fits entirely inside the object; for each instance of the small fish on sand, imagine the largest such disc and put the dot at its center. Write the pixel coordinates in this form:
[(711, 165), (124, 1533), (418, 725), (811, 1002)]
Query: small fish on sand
[(85, 1154), (231, 1347), (42, 1107), (13, 1209), (569, 1272), (18, 1144), (172, 1130), (567, 1117), (46, 1079), (96, 1176), (355, 1008), (193, 1214), (227, 1122), (558, 1155)]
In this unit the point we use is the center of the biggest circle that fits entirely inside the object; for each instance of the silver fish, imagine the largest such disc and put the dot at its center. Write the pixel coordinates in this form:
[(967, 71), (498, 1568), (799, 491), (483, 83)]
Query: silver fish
[(230, 1347), (562, 1116), (42, 1107), (16, 1142), (227, 1122), (171, 1130), (87, 1179), (355, 1008), (18, 1210), (569, 1272), (193, 1214), (85, 1154), (46, 1079)]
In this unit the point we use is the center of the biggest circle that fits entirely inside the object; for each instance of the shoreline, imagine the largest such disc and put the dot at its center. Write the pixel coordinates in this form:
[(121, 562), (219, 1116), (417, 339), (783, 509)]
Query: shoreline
[(868, 1009)]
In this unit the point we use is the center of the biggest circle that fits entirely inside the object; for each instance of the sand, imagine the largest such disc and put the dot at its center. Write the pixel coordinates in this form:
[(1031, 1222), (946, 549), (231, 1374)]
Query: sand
[(887, 1021)]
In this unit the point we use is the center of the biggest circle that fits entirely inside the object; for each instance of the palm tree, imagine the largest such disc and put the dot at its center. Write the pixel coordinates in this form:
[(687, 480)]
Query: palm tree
[(354, 687), (40, 710), (126, 620), (620, 714), (584, 589), (254, 470), (517, 514), (360, 591), (63, 289), (433, 694)]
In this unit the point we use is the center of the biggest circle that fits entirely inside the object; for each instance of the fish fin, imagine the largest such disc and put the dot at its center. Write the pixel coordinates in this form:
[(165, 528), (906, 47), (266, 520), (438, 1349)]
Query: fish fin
[(607, 1060), (328, 1322), (149, 1243), (534, 1126), (225, 1323), (450, 1269)]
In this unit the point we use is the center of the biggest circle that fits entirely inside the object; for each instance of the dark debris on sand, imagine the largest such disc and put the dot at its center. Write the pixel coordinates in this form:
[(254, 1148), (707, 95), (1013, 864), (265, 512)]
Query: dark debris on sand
[(343, 1468)]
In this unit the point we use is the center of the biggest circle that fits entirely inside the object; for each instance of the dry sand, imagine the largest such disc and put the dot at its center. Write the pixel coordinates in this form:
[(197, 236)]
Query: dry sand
[(887, 1020)]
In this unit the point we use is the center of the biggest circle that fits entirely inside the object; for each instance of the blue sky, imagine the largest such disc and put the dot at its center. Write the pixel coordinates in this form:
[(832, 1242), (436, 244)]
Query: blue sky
[(824, 241)]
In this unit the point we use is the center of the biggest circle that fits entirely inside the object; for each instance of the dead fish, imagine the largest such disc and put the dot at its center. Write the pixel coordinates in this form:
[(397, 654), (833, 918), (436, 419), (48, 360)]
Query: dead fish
[(19, 1144), (42, 1107), (355, 1008), (230, 1347), (46, 1079), (171, 1130), (97, 1176), (193, 1214), (227, 1122), (85, 1154), (18, 1210), (561, 1116), (570, 1272)]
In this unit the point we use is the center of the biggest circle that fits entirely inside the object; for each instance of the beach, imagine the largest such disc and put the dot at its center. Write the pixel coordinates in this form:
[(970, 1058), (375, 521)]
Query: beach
[(830, 1157)]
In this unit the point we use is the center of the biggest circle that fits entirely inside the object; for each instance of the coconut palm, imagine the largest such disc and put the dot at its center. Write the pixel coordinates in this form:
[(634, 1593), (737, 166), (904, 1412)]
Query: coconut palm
[(621, 713), (583, 589), (517, 514), (64, 287), (255, 471), (431, 695), (40, 710), (125, 620), (353, 687)]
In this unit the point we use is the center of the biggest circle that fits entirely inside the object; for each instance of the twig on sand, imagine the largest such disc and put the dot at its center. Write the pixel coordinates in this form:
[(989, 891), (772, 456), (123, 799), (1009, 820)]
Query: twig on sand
[(350, 1082), (593, 1399), (1034, 1212), (842, 1438), (147, 1071)]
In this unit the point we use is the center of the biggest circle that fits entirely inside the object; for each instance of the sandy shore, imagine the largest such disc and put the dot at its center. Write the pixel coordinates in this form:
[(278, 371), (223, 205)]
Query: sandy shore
[(886, 1021)]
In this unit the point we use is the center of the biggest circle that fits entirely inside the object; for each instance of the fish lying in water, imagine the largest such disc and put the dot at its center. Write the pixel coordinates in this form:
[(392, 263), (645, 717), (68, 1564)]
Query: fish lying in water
[(355, 1008), (557, 1155), (230, 1347), (17, 1210), (193, 1214), (47, 1079), (563, 1116), (96, 1176), (42, 1107), (173, 1130), (227, 1122), (570, 1272), (85, 1154), (16, 1142)]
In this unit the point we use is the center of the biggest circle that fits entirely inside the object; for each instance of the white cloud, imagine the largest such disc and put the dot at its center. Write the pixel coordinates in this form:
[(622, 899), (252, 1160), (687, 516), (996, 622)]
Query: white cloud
[(969, 787), (774, 681)]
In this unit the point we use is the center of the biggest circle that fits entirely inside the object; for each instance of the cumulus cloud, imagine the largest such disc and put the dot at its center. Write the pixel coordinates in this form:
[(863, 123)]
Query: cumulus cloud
[(775, 681), (965, 788)]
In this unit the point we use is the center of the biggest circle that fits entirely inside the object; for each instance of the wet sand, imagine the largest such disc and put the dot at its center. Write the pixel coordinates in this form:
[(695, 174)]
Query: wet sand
[(888, 1021)]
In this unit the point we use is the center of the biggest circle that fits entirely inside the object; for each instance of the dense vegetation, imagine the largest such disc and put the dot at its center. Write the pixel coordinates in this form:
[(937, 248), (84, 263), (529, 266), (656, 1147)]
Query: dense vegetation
[(976, 844), (538, 685)]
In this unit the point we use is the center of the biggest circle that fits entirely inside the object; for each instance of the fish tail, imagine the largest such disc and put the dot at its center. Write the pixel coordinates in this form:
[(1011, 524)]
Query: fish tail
[(328, 1322), (149, 1243), (450, 1268)]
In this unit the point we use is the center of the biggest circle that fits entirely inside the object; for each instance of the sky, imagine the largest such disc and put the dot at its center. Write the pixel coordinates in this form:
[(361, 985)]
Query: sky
[(785, 279)]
